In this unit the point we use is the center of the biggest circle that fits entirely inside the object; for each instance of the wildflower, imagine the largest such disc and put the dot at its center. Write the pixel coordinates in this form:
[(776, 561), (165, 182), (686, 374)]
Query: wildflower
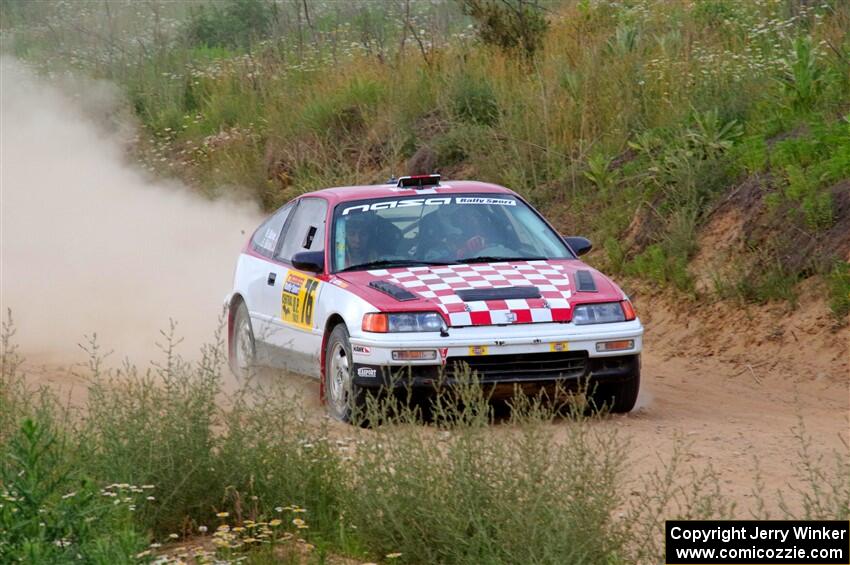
[(299, 523), (223, 514), (202, 529), (393, 555), (275, 523), (151, 498), (173, 536), (145, 553), (69, 495), (278, 509)]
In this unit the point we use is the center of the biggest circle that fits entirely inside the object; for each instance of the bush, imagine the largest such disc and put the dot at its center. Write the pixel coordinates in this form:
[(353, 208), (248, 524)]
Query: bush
[(238, 23), (474, 101), (658, 265), (804, 76), (839, 290), (345, 112), (511, 25), (50, 513)]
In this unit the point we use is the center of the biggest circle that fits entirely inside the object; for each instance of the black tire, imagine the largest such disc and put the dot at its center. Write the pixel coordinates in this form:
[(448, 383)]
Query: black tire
[(619, 397), (243, 351), (344, 399)]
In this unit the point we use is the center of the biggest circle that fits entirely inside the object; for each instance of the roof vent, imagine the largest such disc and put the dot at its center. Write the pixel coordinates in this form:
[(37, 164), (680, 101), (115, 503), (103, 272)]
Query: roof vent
[(419, 181), (585, 282), (400, 294)]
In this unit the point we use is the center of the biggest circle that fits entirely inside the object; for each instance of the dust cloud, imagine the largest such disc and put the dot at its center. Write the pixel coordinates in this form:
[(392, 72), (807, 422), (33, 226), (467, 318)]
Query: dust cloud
[(90, 243)]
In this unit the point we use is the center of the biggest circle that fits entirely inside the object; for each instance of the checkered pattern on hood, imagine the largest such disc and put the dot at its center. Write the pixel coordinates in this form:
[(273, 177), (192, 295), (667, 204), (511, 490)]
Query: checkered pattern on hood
[(439, 284)]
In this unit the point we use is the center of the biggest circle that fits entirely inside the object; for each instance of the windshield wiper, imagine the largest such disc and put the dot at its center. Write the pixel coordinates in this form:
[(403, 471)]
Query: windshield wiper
[(494, 259), (392, 263)]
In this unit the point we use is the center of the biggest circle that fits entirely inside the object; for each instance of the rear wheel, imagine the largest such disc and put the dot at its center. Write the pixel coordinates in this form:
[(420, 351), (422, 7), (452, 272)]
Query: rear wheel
[(344, 399), (619, 397), (243, 353)]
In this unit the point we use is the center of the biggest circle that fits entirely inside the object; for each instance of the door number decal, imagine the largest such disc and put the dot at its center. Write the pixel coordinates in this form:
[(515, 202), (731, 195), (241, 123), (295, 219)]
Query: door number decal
[(298, 299)]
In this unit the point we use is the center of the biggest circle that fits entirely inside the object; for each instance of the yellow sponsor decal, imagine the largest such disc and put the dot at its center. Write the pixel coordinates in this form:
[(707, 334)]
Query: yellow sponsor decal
[(559, 346), (478, 350), (298, 299)]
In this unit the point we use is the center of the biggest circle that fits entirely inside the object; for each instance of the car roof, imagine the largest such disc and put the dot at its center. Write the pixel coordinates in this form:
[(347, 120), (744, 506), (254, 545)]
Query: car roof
[(348, 193)]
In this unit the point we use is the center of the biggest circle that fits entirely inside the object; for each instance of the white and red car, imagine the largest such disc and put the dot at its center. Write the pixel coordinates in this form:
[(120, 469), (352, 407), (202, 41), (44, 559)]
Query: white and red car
[(353, 284)]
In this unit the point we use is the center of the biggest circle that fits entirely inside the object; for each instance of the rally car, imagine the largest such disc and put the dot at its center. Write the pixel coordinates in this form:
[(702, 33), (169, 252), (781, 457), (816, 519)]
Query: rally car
[(354, 285)]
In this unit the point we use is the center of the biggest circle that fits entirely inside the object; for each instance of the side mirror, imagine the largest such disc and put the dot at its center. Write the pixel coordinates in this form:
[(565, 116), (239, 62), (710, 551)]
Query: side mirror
[(312, 261), (579, 245)]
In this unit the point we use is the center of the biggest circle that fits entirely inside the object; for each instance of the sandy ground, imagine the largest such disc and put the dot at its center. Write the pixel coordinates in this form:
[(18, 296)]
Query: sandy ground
[(729, 386)]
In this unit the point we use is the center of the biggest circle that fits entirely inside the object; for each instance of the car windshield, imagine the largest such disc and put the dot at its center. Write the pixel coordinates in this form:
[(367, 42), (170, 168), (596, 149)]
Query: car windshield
[(444, 229)]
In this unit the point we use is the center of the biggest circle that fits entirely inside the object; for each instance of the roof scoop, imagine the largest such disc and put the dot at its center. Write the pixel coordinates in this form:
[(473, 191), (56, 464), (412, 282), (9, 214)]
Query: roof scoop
[(419, 181)]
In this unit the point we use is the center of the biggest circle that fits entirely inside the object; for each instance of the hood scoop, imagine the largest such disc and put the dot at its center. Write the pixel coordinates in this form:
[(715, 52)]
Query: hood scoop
[(393, 290), (585, 282), (502, 293)]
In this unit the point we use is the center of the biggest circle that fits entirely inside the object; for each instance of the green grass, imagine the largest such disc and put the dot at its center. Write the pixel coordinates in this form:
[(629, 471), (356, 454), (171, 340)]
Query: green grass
[(162, 458), (839, 291)]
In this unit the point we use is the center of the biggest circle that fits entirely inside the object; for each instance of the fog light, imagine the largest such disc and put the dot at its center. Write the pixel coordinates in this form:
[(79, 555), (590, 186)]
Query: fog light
[(619, 345), (415, 355)]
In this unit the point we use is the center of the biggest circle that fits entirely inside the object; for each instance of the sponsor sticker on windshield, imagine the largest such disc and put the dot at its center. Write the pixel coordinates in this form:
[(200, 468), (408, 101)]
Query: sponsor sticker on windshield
[(490, 201), (416, 202)]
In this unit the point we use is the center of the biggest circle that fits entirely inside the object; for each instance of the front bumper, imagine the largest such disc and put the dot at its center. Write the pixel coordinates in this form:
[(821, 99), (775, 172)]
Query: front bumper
[(518, 354)]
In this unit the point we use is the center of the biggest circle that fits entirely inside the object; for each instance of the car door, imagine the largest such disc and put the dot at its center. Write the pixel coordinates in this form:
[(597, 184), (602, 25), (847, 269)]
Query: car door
[(261, 275), (292, 320)]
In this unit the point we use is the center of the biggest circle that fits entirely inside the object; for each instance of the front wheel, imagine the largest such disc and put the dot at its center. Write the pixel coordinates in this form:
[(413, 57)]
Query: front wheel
[(243, 353), (344, 399)]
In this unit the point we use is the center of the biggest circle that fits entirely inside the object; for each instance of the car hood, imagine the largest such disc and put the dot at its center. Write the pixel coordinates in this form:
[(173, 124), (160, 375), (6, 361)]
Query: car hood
[(482, 294)]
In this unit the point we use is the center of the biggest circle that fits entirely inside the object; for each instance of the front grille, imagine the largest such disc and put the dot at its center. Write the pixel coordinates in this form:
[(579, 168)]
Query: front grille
[(522, 367)]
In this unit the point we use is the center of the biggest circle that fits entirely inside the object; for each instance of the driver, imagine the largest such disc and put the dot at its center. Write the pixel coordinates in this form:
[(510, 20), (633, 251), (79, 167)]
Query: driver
[(359, 240), (475, 233)]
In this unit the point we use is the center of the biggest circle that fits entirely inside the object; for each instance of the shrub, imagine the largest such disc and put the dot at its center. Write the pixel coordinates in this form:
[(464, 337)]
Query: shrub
[(473, 100), (238, 23), (658, 265), (51, 513), (839, 290), (346, 111), (803, 78), (511, 25)]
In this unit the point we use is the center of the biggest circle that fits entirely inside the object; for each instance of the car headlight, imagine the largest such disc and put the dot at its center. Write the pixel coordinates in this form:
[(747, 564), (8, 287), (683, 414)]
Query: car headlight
[(604, 313), (381, 322)]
